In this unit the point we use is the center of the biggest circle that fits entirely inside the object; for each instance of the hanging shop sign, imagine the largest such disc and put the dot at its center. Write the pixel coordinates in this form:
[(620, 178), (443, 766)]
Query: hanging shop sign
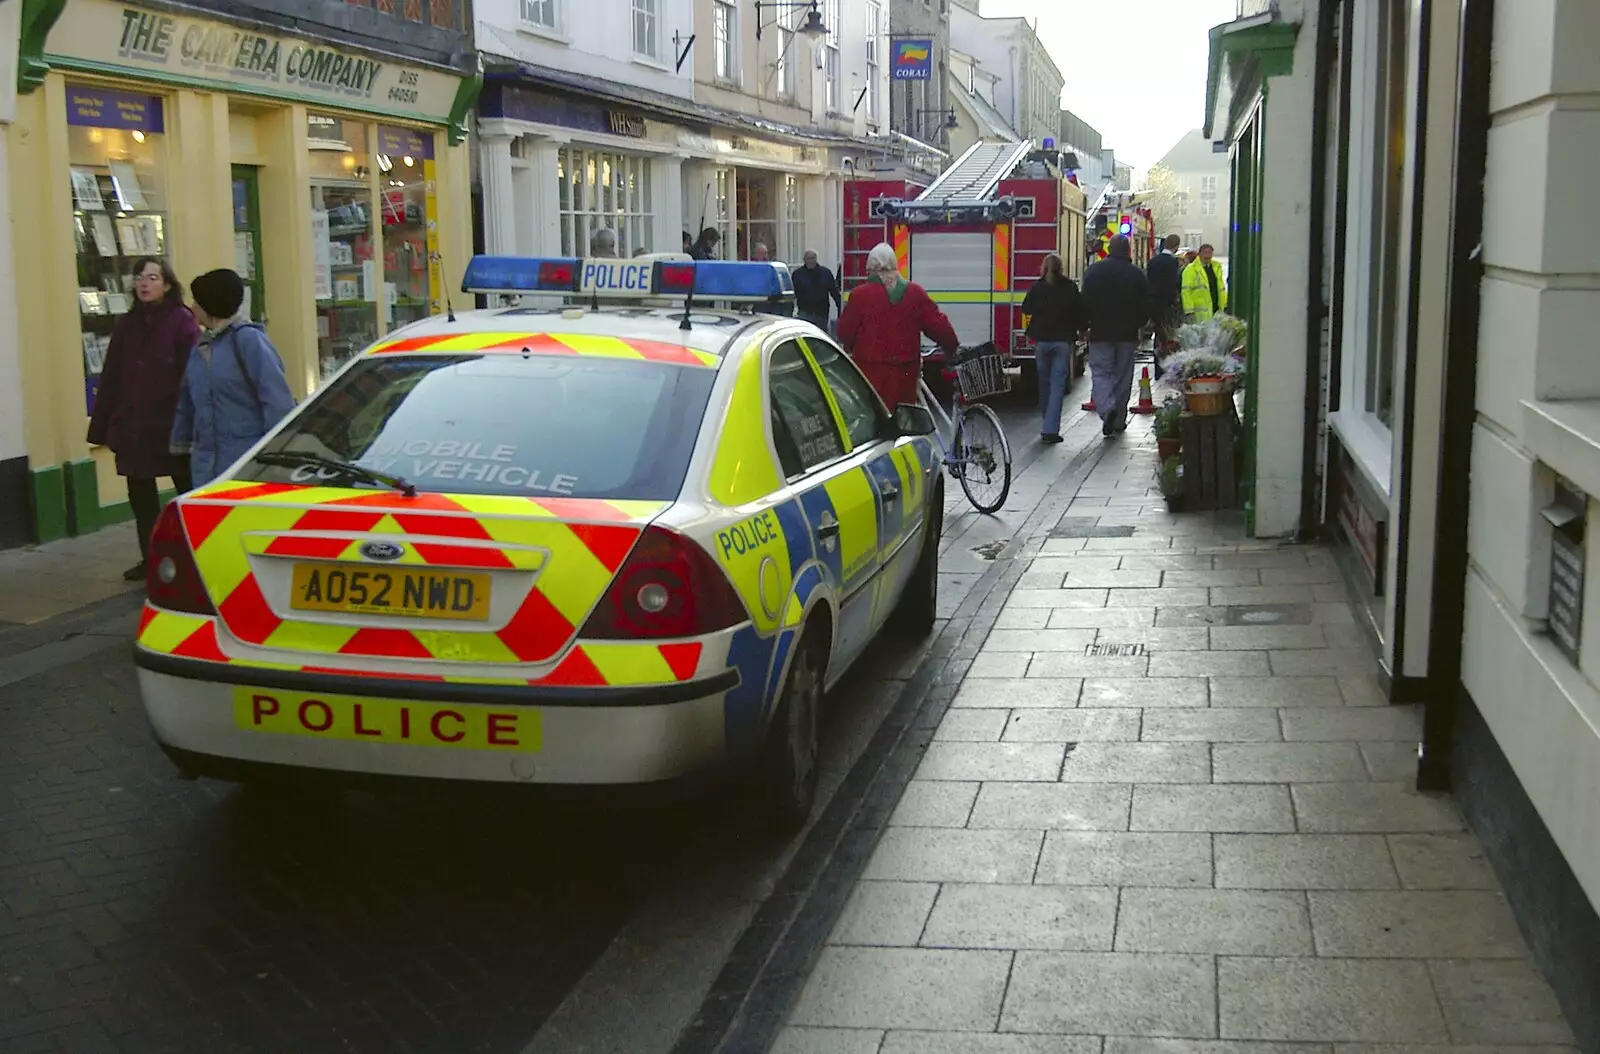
[(913, 60), (102, 35)]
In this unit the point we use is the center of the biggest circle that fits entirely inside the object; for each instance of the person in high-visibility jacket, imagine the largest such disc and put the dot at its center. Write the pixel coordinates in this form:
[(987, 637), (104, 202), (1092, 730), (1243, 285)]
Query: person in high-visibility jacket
[(1205, 293)]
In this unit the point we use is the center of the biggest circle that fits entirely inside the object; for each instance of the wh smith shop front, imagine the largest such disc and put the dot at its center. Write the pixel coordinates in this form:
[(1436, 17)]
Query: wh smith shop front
[(330, 178)]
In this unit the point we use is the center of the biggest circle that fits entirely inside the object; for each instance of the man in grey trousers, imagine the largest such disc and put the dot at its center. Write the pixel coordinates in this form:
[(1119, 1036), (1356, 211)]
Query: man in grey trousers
[(1116, 297)]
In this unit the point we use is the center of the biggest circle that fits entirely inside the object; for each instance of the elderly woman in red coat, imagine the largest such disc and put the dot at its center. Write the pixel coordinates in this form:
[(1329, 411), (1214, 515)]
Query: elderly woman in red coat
[(882, 326)]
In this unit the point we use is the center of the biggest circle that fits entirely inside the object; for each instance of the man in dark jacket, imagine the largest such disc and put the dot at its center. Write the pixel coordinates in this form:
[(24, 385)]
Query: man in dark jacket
[(814, 286), (1116, 296), (1166, 297)]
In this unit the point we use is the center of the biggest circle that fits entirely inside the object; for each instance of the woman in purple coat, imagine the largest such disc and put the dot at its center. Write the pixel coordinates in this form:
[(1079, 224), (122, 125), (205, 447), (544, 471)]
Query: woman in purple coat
[(138, 393)]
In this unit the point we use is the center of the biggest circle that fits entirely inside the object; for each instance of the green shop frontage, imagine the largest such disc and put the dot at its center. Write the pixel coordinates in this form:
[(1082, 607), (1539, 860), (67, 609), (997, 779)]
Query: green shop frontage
[(1257, 107)]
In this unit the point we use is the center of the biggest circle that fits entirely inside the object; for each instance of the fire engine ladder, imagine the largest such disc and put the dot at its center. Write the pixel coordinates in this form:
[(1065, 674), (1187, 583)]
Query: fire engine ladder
[(971, 179)]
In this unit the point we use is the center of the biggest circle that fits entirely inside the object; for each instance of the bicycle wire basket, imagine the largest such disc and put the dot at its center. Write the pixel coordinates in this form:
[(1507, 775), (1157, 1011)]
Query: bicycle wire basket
[(982, 376)]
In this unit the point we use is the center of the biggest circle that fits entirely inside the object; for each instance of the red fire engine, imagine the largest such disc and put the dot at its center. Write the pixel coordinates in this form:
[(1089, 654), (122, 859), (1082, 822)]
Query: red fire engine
[(1121, 213), (977, 238)]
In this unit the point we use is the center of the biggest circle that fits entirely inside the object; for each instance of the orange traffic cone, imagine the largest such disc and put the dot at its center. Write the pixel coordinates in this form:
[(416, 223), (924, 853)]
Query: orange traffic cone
[(1146, 405)]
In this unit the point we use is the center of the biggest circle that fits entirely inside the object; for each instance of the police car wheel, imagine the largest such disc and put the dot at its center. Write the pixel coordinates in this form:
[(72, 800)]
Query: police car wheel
[(919, 604), (788, 772)]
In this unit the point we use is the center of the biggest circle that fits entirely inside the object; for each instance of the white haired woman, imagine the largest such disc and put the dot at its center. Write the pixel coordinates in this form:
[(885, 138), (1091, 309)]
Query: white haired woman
[(882, 326)]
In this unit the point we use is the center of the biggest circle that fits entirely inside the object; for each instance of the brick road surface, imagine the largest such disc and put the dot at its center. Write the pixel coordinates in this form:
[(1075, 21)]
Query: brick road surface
[(139, 912)]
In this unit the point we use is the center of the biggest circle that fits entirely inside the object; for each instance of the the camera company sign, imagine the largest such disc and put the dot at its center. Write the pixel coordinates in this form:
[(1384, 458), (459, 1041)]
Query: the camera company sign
[(102, 32)]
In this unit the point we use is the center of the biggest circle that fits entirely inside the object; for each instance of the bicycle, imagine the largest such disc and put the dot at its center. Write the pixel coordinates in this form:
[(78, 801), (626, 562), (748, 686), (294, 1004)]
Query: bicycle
[(976, 453)]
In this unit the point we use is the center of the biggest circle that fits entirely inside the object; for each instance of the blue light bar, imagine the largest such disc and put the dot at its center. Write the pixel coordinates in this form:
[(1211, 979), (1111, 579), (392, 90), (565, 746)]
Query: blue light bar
[(724, 280)]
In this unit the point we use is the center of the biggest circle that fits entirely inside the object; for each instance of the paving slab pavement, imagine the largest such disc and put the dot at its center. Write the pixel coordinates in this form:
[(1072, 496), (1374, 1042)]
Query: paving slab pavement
[(1203, 839)]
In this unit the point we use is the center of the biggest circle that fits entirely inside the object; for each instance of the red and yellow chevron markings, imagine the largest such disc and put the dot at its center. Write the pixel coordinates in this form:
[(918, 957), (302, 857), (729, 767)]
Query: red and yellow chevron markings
[(578, 344)]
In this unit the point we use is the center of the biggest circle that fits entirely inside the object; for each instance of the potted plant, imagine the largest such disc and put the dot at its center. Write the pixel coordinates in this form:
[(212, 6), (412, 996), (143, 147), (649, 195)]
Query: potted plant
[(1168, 438), (1172, 484), (1206, 377)]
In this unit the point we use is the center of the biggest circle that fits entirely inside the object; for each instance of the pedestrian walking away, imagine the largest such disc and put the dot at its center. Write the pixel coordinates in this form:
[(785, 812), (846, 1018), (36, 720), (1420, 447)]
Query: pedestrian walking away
[(882, 326), (1054, 307), (1204, 292), (1165, 274), (814, 286), (138, 393), (1116, 298), (234, 390)]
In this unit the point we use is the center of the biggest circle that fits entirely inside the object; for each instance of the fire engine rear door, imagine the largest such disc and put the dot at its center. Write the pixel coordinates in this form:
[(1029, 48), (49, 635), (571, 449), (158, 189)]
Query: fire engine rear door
[(957, 270)]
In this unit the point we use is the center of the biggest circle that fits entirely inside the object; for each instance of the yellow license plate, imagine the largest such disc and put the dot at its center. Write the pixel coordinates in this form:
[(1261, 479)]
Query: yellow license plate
[(354, 719), (420, 592)]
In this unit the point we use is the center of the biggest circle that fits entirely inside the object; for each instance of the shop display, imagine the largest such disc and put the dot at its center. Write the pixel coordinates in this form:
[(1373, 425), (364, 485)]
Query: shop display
[(117, 170), (342, 240), (405, 164)]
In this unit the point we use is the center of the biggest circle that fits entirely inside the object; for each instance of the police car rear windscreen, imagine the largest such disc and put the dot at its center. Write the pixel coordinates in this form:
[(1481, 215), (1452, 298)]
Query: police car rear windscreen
[(502, 424)]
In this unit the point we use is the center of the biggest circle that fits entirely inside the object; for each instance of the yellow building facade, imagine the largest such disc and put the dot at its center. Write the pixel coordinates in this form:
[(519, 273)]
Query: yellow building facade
[(336, 182)]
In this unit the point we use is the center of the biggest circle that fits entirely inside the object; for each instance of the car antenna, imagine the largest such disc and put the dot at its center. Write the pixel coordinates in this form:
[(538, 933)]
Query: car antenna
[(688, 307), (449, 312)]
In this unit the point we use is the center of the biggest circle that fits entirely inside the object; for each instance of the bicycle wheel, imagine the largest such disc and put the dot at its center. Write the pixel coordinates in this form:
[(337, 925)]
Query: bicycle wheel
[(985, 457)]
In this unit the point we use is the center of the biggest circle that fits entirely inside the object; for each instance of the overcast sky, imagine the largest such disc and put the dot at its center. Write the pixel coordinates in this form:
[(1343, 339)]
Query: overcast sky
[(1134, 69)]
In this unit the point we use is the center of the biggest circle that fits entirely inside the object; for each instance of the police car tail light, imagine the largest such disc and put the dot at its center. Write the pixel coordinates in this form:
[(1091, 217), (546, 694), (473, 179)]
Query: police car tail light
[(171, 579), (668, 587)]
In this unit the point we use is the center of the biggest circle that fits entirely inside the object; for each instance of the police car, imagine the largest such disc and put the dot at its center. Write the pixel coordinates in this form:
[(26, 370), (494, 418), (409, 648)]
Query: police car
[(562, 544)]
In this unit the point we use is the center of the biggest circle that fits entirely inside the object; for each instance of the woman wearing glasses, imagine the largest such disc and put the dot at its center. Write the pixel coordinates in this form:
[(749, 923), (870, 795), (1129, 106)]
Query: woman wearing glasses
[(138, 393)]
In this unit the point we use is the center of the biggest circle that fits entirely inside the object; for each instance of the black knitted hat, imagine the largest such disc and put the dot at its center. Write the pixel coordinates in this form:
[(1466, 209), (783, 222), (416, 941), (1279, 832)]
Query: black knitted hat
[(219, 293)]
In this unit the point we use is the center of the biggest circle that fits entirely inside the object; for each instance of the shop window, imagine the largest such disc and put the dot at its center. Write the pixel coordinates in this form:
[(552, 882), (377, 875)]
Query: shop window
[(645, 28), (794, 219), (116, 148), (598, 189), (757, 212), (345, 273), (410, 218)]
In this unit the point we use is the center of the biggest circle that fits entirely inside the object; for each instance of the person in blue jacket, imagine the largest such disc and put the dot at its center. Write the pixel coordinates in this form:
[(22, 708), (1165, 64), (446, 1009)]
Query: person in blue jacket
[(234, 390)]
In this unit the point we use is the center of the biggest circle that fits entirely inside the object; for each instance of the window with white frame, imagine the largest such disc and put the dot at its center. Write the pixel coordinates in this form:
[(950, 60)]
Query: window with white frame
[(874, 28), (1383, 68), (1208, 195), (1182, 204), (598, 189), (794, 220), (646, 31), (540, 13), (723, 28), (830, 57), (783, 77)]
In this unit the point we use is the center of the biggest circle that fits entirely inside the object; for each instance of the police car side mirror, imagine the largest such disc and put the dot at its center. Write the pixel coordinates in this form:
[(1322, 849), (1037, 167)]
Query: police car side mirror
[(911, 419)]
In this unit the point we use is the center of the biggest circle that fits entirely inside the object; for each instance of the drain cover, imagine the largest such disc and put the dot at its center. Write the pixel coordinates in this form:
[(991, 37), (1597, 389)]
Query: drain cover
[(1115, 649), (1078, 528), (1270, 615)]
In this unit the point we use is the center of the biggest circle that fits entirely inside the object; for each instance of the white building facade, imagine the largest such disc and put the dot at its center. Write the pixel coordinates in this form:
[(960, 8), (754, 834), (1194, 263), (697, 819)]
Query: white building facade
[(1028, 83), (683, 121), (1453, 294)]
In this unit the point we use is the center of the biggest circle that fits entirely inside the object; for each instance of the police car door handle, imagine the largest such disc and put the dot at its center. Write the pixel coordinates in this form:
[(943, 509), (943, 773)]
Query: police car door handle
[(829, 529), (890, 492)]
